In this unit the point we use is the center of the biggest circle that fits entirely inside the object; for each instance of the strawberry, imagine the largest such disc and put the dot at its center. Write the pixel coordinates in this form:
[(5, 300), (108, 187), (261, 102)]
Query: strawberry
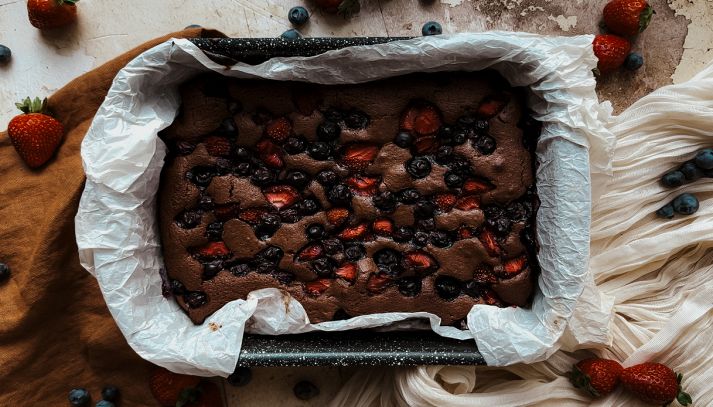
[(491, 298), (383, 226), (227, 211), (362, 185), (377, 283), (491, 106), (468, 203), (611, 51), (419, 261), (278, 129), (357, 157), (599, 377), (217, 146), (474, 186), (425, 145), (252, 215), (270, 153), (208, 396), (423, 119), (337, 216), (46, 14), (214, 249), (464, 233), (484, 275), (281, 196), (317, 287), (346, 8), (170, 388), (444, 202), (515, 266), (354, 232), (310, 252), (347, 271), (34, 134), (655, 383), (487, 238), (627, 17)]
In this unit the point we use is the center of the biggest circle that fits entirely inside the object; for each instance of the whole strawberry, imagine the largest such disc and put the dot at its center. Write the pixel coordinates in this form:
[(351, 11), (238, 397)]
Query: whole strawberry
[(346, 8), (34, 134), (627, 17), (611, 51), (654, 383), (46, 14), (597, 376)]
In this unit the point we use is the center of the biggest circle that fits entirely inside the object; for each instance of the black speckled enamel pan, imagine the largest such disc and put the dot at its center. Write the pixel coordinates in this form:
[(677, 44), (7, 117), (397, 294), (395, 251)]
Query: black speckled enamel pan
[(350, 348)]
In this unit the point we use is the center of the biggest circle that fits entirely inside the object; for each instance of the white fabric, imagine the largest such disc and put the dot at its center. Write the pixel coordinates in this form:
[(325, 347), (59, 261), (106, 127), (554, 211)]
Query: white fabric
[(658, 274)]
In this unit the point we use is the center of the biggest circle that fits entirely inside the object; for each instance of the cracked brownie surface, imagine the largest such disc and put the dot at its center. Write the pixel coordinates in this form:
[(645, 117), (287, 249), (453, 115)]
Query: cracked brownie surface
[(409, 194)]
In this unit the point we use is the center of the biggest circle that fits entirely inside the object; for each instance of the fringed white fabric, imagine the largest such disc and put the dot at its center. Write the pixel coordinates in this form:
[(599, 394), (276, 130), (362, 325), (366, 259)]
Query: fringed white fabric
[(657, 273)]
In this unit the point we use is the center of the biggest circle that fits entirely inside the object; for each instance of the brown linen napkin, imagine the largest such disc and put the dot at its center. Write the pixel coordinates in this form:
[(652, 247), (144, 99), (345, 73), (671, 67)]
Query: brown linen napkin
[(56, 332)]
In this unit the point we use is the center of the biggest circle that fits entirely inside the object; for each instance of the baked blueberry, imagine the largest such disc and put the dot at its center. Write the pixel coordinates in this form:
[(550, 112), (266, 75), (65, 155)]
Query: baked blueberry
[(424, 209), (685, 204), (290, 215), (420, 239), (268, 225), (241, 154), (453, 180), (307, 206), (403, 233), (205, 202), (188, 219), (328, 131), (418, 167), (460, 165), (177, 288), (354, 251), (388, 261), (294, 145), (403, 139), (271, 253), (385, 201), (243, 169), (201, 175), (444, 155), (356, 119), (448, 287), (239, 270), (262, 177), (408, 196), (319, 150), (441, 239), (214, 231), (339, 194), (297, 179), (485, 144), (315, 231), (195, 299), (104, 403), (427, 225), (410, 286), (332, 246), (474, 289), (327, 178), (324, 267), (212, 268)]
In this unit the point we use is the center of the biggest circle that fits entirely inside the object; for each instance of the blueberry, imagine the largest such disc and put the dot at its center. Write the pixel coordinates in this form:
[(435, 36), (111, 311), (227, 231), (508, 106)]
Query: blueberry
[(403, 233), (192, 26), (79, 397), (241, 154), (298, 179), (691, 171), (104, 403), (201, 175), (262, 177), (444, 155), (665, 212), (295, 145), (354, 251), (673, 179), (214, 231), (291, 34), (385, 201), (704, 159), (290, 215), (177, 288), (195, 299), (5, 54), (448, 287), (265, 268), (284, 277), (211, 269), (685, 204), (424, 209), (332, 246), (408, 196), (427, 225), (418, 167), (482, 127), (409, 286), (474, 289), (188, 219), (272, 254), (240, 377), (356, 119), (305, 390), (315, 231), (269, 223), (453, 180), (328, 131), (388, 261), (460, 165), (339, 194), (227, 127), (205, 202), (459, 137), (307, 207), (240, 270), (633, 61), (441, 239), (319, 150), (323, 267), (431, 28), (298, 15), (403, 139), (467, 121), (420, 239), (485, 144), (327, 178)]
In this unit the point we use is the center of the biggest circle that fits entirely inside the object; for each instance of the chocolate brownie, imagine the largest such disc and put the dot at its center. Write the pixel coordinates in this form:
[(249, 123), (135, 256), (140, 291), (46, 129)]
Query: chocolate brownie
[(408, 194)]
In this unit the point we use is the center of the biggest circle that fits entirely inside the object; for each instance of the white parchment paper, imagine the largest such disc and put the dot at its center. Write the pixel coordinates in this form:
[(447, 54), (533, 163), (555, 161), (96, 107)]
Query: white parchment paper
[(117, 231)]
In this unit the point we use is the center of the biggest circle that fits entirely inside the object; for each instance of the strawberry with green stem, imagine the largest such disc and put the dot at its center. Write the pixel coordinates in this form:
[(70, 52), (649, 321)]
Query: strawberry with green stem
[(47, 14), (35, 134)]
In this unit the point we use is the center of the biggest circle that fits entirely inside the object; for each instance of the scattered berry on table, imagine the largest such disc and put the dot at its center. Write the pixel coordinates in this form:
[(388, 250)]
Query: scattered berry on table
[(655, 383), (298, 15), (431, 28), (240, 377), (633, 61), (110, 393), (4, 272), (685, 204), (704, 159), (5, 54), (598, 377), (47, 14), (673, 179), (34, 134), (79, 397), (611, 51), (305, 390), (193, 26), (665, 211), (691, 171), (627, 17), (291, 34)]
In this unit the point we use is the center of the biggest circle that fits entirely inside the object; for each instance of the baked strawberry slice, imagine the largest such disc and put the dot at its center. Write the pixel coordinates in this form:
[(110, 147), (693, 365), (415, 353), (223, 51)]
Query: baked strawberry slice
[(419, 261), (217, 146), (491, 298), (423, 119), (468, 203), (278, 129), (464, 233), (214, 249), (337, 216), (347, 271), (515, 266), (270, 153), (357, 157), (317, 287), (383, 227), (227, 211), (487, 238), (377, 283), (252, 215), (425, 145), (311, 252), (492, 105), (281, 196), (445, 202), (354, 232), (408, 117), (475, 186), (363, 185), (484, 275)]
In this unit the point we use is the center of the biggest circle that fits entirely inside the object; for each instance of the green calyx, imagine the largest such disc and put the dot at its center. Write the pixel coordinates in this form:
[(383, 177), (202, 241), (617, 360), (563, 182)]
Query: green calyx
[(68, 2), (682, 397), (32, 106), (348, 8), (582, 381), (645, 17)]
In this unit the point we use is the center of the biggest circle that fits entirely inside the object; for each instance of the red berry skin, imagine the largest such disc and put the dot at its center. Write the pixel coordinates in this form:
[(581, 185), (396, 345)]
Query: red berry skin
[(654, 383), (627, 17), (611, 51), (599, 377)]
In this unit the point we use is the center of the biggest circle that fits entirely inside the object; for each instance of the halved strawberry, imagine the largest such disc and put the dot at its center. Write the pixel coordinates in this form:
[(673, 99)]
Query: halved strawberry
[(337, 216), (423, 119), (252, 215), (357, 157), (217, 146), (491, 298), (464, 232), (383, 226), (311, 252), (419, 261), (214, 249), (445, 202), (377, 283), (354, 232), (362, 185), (270, 153), (474, 186), (484, 275), (347, 271), (487, 238), (281, 196), (492, 105), (227, 211), (425, 145), (468, 203), (317, 287), (514, 266), (408, 117), (278, 129)]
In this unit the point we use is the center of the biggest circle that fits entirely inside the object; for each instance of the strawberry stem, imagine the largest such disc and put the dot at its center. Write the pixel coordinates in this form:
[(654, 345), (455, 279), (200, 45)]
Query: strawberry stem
[(682, 397), (348, 8), (645, 18), (32, 106)]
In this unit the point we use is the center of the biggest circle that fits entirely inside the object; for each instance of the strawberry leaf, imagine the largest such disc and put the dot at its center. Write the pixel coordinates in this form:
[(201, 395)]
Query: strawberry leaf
[(645, 18), (348, 8)]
